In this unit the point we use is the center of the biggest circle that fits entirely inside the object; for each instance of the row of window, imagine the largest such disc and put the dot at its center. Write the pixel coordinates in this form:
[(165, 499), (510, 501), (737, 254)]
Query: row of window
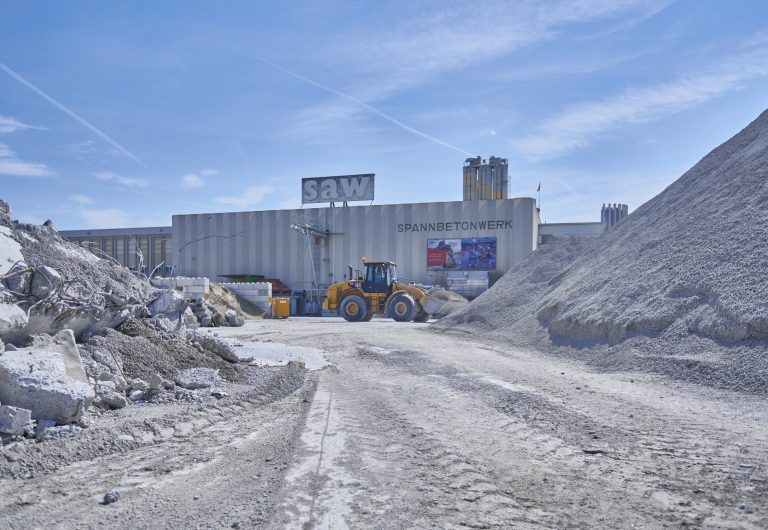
[(134, 252)]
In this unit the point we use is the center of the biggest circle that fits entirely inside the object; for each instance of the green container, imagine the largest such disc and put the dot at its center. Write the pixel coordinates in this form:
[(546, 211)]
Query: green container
[(253, 278)]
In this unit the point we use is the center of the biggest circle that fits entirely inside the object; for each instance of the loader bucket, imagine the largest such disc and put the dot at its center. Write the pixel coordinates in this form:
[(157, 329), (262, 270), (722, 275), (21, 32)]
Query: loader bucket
[(432, 304)]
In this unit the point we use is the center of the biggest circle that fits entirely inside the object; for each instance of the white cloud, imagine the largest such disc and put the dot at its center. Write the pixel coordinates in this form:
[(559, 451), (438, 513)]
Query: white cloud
[(251, 197), (196, 180), (128, 182), (11, 125), (582, 124), (11, 164), (191, 180), (456, 35), (759, 38), (105, 218), (81, 199)]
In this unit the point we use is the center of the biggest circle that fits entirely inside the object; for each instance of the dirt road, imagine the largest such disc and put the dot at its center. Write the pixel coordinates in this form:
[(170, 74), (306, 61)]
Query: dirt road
[(411, 429)]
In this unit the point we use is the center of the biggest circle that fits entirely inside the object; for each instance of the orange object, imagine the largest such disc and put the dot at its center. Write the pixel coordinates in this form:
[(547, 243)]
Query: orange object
[(281, 307)]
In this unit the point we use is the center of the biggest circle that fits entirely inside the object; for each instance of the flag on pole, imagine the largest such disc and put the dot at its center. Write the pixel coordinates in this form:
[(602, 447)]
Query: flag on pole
[(539, 188)]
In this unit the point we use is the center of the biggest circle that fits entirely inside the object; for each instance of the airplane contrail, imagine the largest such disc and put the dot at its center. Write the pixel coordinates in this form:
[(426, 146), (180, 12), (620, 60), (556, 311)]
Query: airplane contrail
[(73, 115), (364, 105)]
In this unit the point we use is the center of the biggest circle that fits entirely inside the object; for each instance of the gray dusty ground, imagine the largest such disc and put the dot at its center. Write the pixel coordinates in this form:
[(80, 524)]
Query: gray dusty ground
[(410, 429)]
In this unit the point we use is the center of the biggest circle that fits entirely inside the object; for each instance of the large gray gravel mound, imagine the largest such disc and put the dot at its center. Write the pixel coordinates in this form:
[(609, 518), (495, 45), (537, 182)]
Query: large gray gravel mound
[(679, 287)]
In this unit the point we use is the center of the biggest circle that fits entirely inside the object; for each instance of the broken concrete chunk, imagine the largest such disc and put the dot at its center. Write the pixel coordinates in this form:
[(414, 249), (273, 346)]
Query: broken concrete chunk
[(139, 384), (233, 319), (219, 319), (12, 318), (2, 347), (137, 395), (14, 420), (63, 342), (189, 318), (119, 383), (170, 301), (155, 382), (45, 280), (42, 426), (217, 346), (111, 398), (194, 378), (19, 282), (38, 381)]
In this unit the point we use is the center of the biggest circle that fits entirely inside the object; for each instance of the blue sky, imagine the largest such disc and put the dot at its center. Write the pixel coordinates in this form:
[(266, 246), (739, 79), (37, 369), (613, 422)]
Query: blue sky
[(124, 113)]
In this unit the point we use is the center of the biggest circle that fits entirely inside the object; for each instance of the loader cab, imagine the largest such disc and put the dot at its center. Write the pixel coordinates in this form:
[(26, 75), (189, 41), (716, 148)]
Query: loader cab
[(379, 276)]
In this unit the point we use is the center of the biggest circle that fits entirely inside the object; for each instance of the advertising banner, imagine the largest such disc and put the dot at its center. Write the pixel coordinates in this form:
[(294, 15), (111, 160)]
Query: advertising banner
[(469, 254)]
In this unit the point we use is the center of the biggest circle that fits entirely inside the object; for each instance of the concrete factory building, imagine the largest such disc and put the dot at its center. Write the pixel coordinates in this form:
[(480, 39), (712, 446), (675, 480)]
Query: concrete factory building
[(482, 236), (316, 245)]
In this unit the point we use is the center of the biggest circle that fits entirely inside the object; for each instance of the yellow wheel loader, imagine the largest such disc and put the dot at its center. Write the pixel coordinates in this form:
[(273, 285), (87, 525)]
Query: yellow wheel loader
[(379, 292)]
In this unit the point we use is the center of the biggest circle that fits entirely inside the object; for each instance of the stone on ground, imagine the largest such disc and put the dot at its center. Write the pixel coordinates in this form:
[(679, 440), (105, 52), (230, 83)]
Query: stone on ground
[(14, 420)]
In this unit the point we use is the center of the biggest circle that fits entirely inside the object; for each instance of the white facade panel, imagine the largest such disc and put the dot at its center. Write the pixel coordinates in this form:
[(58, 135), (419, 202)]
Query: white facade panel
[(263, 243)]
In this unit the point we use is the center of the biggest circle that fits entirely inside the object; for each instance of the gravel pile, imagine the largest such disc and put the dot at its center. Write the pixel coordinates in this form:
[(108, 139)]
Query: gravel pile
[(225, 299), (143, 351), (680, 287)]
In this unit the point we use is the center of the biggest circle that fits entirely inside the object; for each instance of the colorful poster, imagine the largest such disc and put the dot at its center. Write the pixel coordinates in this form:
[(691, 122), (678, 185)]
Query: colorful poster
[(469, 254)]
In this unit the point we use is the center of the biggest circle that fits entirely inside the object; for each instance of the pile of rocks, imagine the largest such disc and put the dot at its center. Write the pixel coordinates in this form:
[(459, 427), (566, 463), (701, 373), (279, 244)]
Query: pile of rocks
[(52, 293), (208, 315)]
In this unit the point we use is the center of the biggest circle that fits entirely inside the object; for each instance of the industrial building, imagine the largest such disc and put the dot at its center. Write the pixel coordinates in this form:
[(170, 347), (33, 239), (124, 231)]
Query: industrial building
[(455, 244)]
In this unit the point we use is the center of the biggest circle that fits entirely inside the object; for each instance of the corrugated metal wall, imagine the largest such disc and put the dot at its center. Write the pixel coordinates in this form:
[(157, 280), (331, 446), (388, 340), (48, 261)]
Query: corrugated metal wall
[(262, 243)]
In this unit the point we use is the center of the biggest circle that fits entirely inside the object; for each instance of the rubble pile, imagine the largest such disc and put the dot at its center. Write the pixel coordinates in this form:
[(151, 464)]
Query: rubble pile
[(58, 285), (135, 339), (210, 315), (679, 287)]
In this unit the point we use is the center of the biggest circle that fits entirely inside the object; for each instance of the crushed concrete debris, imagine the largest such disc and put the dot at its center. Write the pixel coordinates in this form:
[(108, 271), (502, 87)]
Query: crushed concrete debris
[(194, 378), (679, 287), (53, 293)]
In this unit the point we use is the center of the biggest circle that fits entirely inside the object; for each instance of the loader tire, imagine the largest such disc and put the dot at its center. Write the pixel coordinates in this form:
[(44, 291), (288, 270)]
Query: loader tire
[(353, 308), (402, 307), (422, 316)]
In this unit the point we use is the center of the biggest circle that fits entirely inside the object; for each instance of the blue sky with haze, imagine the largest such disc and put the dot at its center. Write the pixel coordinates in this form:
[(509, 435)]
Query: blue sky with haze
[(124, 113)]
